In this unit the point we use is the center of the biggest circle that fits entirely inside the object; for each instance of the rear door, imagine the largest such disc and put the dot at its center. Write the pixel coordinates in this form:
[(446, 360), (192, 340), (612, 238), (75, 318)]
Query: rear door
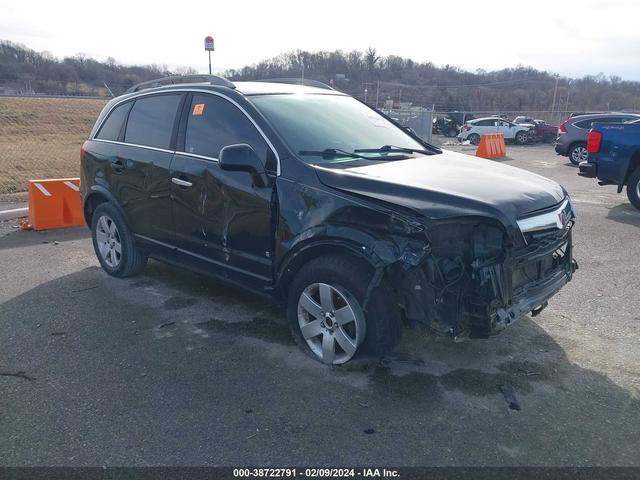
[(484, 127), (508, 129), (222, 221), (141, 165)]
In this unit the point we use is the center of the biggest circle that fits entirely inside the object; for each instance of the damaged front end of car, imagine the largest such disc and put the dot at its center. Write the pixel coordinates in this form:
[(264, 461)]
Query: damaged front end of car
[(471, 277)]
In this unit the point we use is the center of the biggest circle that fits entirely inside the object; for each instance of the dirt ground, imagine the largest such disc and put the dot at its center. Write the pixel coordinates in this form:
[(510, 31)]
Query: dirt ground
[(171, 368), (41, 138)]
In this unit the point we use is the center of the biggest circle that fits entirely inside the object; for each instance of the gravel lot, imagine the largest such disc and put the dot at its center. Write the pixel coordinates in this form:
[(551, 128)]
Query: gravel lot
[(171, 368)]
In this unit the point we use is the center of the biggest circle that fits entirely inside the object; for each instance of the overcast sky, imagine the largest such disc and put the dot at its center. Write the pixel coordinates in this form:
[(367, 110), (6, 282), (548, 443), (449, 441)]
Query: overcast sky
[(571, 37)]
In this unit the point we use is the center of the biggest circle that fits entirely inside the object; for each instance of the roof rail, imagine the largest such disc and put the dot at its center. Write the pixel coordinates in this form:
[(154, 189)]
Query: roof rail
[(177, 79), (298, 81)]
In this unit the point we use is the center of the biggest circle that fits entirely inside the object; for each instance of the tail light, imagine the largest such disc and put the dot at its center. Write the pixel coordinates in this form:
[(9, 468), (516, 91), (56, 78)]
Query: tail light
[(466, 126), (83, 149), (563, 127), (593, 141)]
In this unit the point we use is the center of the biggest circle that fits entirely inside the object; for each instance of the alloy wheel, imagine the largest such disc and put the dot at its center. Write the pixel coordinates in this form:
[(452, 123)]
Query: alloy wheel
[(109, 242), (331, 322), (579, 154)]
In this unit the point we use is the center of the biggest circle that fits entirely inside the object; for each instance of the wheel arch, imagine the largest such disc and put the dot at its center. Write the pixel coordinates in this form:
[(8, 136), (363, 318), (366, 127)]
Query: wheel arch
[(634, 163), (302, 255), (96, 196)]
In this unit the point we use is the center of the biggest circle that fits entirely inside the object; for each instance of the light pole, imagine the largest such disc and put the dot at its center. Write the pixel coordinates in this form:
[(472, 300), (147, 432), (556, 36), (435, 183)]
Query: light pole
[(566, 105), (555, 92)]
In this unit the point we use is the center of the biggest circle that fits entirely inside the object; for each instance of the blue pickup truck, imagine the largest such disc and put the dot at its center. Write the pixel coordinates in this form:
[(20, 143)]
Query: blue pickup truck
[(614, 157)]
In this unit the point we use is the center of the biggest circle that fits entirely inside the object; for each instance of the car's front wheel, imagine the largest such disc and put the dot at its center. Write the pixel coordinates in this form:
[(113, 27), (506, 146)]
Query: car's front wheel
[(578, 153), (326, 315), (633, 188), (114, 244)]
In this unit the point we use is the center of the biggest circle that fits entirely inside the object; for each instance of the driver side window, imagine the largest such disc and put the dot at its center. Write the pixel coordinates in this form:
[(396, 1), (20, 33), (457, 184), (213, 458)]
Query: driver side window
[(214, 123)]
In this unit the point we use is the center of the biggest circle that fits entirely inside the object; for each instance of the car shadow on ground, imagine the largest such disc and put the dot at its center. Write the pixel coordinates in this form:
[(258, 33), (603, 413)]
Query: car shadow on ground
[(625, 213), (179, 356)]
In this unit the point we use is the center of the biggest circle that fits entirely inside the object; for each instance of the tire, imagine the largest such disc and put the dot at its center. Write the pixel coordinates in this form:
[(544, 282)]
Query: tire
[(578, 153), (522, 137), (110, 233), (633, 188), (452, 132), (474, 138), (338, 283)]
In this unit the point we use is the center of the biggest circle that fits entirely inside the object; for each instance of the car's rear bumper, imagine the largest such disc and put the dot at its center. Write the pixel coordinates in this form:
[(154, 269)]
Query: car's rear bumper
[(588, 169), (561, 149)]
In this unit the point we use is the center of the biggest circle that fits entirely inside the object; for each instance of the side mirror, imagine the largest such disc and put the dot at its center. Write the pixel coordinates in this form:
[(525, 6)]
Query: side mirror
[(243, 158)]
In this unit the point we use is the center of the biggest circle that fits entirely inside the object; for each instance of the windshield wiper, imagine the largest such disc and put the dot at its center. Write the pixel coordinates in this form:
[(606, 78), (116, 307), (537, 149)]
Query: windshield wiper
[(393, 149), (336, 152)]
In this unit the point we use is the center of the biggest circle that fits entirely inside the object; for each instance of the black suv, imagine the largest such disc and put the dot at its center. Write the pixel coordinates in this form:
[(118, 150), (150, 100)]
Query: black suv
[(308, 196)]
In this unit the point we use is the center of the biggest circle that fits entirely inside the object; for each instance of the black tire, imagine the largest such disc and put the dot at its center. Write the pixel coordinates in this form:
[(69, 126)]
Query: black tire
[(131, 260), (474, 138), (633, 188), (578, 153), (382, 314), (522, 137), (452, 132)]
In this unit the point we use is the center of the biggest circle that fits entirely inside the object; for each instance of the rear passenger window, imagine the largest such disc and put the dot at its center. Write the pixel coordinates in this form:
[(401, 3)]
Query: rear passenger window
[(214, 123), (586, 124), (151, 121), (110, 129)]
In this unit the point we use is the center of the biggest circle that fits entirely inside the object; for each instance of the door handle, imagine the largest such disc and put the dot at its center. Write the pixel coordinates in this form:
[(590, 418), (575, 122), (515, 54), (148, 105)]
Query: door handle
[(180, 182)]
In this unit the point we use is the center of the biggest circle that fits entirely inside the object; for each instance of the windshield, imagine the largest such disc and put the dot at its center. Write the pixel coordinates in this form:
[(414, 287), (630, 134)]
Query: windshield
[(337, 123)]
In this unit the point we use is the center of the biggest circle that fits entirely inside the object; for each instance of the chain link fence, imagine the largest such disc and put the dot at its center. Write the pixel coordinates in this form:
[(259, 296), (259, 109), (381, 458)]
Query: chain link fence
[(41, 138)]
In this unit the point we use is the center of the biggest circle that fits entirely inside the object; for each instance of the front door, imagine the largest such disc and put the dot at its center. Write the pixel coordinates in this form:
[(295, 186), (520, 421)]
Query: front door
[(222, 221)]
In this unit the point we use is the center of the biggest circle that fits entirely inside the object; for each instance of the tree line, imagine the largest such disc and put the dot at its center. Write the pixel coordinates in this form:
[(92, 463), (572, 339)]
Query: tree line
[(448, 87), (364, 74), (28, 71)]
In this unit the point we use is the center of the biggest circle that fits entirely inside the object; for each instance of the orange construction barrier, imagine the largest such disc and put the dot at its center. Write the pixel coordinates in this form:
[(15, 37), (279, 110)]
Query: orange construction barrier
[(491, 146), (54, 204)]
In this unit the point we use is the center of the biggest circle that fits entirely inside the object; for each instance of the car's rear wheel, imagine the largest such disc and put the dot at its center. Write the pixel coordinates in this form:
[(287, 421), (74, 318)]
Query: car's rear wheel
[(522, 137), (114, 244), (474, 138), (326, 315), (578, 153), (633, 188)]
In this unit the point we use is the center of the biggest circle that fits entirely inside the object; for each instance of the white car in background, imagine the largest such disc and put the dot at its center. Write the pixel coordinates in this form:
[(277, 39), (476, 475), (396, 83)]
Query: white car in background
[(472, 130)]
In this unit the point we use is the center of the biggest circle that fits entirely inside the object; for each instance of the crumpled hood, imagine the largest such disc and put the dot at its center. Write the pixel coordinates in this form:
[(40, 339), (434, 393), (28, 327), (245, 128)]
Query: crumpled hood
[(449, 185)]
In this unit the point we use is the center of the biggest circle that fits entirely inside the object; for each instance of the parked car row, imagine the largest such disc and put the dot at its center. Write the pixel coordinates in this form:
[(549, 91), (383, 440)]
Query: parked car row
[(573, 132), (465, 127)]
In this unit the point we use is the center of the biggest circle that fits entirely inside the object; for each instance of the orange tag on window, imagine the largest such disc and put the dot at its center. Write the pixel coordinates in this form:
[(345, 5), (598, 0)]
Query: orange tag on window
[(198, 109)]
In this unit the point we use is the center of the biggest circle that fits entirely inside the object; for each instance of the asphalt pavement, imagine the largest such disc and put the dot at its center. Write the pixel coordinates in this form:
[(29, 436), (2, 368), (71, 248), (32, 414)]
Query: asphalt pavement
[(172, 368)]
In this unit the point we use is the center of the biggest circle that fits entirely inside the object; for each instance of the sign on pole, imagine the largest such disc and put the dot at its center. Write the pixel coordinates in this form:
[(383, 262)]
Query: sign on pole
[(208, 47)]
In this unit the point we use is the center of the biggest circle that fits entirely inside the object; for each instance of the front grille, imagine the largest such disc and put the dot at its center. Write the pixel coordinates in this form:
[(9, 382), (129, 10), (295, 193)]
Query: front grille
[(543, 242), (545, 253)]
